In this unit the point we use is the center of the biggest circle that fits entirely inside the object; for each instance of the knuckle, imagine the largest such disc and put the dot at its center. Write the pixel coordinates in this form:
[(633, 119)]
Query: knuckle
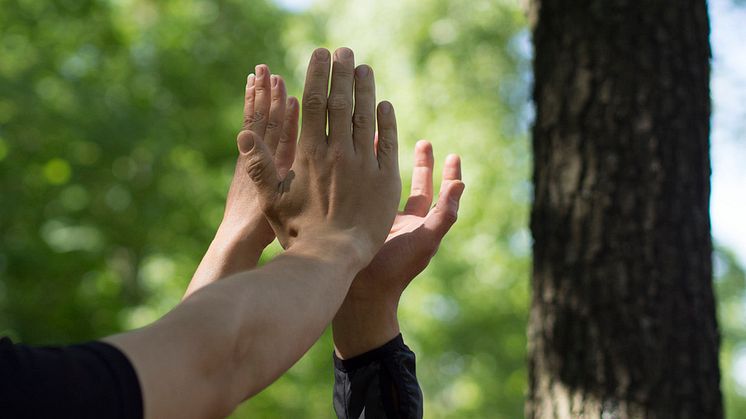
[(319, 71), (385, 146), (273, 125), (342, 71), (338, 103), (314, 102), (336, 154), (285, 138), (256, 168), (257, 116), (361, 119)]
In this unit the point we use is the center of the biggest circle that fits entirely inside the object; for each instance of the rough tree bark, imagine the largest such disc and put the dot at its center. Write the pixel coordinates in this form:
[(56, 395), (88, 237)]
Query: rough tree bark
[(622, 320)]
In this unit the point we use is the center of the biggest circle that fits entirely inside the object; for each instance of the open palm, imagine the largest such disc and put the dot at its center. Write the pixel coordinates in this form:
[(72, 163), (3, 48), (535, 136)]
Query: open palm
[(416, 232)]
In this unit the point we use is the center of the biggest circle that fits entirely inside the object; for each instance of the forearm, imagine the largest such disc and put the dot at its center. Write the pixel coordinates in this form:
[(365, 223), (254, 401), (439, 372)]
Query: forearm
[(235, 337), (363, 324), (234, 249)]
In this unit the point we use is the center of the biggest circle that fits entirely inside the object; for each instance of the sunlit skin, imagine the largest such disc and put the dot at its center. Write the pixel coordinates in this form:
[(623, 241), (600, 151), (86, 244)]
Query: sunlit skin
[(231, 338), (368, 316), (244, 231)]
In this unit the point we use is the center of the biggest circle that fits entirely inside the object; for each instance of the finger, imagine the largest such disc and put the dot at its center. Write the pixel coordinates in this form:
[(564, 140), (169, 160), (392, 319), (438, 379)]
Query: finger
[(286, 147), (313, 128), (387, 151), (262, 101), (445, 213), (276, 113), (260, 167), (364, 118), (452, 168), (248, 101), (339, 104), (421, 193)]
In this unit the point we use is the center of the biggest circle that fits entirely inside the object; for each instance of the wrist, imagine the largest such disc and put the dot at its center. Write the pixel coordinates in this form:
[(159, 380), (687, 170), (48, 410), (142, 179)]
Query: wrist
[(249, 236), (363, 325), (334, 246)]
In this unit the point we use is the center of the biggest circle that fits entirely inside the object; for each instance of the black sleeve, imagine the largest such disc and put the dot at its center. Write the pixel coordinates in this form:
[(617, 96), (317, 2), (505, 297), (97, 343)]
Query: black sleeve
[(91, 380), (381, 383)]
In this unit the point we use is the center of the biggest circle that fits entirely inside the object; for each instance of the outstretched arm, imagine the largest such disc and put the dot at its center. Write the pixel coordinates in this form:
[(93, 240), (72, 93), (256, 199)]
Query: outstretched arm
[(331, 212), (235, 337)]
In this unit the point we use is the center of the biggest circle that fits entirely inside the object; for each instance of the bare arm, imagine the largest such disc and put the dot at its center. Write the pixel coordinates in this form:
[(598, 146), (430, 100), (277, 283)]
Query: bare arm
[(235, 337)]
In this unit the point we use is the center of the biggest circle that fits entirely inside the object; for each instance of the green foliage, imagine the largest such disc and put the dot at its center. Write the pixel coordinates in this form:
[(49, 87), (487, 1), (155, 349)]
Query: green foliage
[(730, 287), (117, 121), (117, 128)]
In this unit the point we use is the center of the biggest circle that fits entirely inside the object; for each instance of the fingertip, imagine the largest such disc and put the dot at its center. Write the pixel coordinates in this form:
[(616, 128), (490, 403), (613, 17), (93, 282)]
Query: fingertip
[(321, 55), (292, 103), (261, 70), (453, 160), (423, 150), (245, 141), (423, 146), (363, 71), (343, 53), (250, 80), (278, 88), (452, 169), (385, 108)]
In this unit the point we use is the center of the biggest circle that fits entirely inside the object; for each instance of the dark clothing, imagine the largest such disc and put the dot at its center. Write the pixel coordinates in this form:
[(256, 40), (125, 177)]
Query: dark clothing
[(96, 380), (91, 380), (381, 383)]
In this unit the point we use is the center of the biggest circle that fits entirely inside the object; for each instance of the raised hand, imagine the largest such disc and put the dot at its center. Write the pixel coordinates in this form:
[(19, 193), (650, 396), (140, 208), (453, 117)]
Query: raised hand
[(339, 184), (244, 231), (367, 318), (274, 117)]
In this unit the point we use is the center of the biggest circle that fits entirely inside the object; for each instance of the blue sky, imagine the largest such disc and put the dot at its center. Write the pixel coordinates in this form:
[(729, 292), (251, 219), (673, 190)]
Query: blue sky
[(728, 201)]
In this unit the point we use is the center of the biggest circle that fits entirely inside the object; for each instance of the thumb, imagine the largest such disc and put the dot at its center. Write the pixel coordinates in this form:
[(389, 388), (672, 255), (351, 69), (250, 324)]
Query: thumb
[(445, 213), (259, 165)]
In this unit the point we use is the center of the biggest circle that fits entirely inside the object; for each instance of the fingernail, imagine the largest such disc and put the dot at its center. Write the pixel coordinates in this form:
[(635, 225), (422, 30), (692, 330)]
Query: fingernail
[(245, 142), (259, 71), (385, 108), (321, 54), (273, 78), (250, 80), (362, 71)]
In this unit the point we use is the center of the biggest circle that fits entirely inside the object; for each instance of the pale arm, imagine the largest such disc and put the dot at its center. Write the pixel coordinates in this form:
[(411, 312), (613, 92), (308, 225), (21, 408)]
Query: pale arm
[(236, 336)]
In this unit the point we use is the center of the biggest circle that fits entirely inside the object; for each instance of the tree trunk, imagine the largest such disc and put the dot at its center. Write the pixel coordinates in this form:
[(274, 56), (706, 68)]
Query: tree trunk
[(622, 320)]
